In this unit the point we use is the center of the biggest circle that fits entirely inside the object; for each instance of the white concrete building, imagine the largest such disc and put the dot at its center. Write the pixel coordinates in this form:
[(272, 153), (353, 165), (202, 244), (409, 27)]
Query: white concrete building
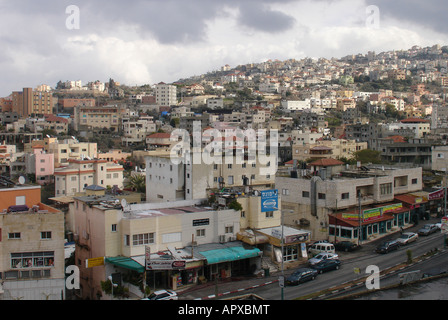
[(166, 94)]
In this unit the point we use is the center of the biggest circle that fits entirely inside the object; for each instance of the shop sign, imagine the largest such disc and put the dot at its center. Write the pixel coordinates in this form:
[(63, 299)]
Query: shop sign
[(94, 262), (269, 200), (166, 265), (436, 194)]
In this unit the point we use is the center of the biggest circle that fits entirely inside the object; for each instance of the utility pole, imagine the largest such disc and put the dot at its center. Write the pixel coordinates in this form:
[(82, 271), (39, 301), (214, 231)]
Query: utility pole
[(283, 270), (360, 219)]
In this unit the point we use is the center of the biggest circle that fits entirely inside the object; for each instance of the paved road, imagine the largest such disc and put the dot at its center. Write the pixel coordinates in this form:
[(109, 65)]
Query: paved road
[(269, 288)]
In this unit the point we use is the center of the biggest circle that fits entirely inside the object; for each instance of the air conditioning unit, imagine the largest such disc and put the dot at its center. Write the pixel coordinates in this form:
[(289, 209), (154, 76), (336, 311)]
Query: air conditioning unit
[(222, 238)]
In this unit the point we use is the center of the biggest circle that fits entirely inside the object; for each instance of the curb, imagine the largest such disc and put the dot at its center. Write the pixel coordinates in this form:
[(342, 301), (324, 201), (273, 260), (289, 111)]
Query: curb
[(236, 291)]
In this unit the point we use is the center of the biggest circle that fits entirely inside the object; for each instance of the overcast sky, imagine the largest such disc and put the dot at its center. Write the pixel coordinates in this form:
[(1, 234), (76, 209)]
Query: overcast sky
[(148, 41)]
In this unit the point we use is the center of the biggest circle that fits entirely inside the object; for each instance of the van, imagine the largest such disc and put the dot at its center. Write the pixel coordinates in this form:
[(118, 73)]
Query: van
[(321, 247)]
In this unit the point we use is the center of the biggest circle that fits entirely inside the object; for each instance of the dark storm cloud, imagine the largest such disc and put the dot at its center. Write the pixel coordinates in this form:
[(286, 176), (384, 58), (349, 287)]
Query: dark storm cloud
[(169, 21), (430, 13)]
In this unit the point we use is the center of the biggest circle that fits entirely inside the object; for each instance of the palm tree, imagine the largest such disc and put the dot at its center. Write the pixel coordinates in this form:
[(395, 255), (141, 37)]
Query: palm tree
[(136, 182)]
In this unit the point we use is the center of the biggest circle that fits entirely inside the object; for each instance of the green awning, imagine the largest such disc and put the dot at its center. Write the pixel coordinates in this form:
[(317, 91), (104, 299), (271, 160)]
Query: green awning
[(229, 254), (127, 263)]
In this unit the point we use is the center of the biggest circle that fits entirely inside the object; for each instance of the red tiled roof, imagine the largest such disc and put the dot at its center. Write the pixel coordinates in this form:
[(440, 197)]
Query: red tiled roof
[(159, 135), (326, 162), (414, 120), (397, 138)]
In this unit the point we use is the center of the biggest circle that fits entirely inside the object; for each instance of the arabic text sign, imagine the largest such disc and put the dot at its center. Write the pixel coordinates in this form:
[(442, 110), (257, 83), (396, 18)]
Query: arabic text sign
[(269, 200)]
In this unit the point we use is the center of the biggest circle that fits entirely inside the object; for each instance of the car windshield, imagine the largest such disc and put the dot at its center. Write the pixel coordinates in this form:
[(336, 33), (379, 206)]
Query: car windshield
[(404, 236), (320, 256)]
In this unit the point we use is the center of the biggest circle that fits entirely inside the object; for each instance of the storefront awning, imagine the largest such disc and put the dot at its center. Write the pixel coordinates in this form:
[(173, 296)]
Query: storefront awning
[(125, 262), (229, 254)]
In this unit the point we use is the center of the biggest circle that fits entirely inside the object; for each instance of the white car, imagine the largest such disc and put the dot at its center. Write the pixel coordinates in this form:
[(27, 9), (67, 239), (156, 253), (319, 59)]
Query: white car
[(162, 295), (322, 256), (407, 238)]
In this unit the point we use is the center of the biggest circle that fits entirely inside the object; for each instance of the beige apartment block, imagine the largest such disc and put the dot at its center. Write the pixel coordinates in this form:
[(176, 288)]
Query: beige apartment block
[(115, 232), (32, 261), (311, 200), (80, 174)]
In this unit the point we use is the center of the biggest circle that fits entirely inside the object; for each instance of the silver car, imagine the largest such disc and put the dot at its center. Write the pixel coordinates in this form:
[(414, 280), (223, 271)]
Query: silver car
[(321, 257), (407, 238)]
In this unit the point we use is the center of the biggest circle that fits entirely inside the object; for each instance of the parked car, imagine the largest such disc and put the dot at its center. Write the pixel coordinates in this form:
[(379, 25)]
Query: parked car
[(388, 246), (327, 265), (301, 275), (321, 257), (321, 247), (427, 230), (346, 246), (407, 238), (162, 295)]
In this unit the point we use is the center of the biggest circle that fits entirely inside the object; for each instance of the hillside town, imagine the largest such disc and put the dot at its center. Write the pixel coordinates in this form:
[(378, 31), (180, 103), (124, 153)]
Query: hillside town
[(156, 187)]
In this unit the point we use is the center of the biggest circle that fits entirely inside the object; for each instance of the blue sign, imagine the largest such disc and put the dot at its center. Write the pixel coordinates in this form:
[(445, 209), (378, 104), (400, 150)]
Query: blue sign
[(269, 200)]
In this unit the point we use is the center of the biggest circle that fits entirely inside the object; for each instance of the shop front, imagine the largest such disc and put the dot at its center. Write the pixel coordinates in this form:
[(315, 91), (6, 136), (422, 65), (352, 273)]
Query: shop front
[(293, 247), (373, 223), (225, 260), (417, 204)]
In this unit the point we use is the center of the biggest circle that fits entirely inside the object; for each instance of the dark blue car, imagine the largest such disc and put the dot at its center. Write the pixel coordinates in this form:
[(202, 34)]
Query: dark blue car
[(301, 275), (327, 265)]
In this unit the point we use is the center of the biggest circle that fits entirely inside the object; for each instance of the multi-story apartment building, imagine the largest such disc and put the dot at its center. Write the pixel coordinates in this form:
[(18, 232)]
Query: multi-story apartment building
[(32, 264), (122, 235), (166, 94), (29, 102), (67, 149), (40, 164), (79, 174), (98, 118), (312, 200), (135, 132), (168, 180)]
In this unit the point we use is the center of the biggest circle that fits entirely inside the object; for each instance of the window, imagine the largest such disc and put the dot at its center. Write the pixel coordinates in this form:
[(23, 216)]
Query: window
[(285, 192), (229, 229), (229, 166), (270, 214), (32, 259), (322, 196), (305, 194), (141, 239), (126, 240), (114, 228), (200, 233), (45, 235), (386, 188), (414, 181), (230, 180), (290, 253), (14, 235), (345, 196)]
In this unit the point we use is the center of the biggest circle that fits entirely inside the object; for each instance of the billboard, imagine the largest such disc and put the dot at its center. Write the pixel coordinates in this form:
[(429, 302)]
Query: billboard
[(269, 200)]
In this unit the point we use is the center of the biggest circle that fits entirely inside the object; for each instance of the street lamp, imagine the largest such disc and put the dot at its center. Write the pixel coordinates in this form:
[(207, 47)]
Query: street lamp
[(113, 285), (282, 255)]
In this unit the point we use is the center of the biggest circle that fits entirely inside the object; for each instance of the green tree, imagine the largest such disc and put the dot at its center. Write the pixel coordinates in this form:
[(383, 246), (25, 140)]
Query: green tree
[(136, 182), (367, 156)]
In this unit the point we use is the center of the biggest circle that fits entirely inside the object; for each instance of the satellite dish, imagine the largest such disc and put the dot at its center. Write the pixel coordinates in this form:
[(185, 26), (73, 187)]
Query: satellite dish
[(48, 136), (21, 180), (124, 203)]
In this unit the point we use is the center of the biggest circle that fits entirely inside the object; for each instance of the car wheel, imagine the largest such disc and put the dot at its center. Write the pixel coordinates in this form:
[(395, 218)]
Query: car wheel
[(320, 271), (346, 249), (337, 267), (313, 277)]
